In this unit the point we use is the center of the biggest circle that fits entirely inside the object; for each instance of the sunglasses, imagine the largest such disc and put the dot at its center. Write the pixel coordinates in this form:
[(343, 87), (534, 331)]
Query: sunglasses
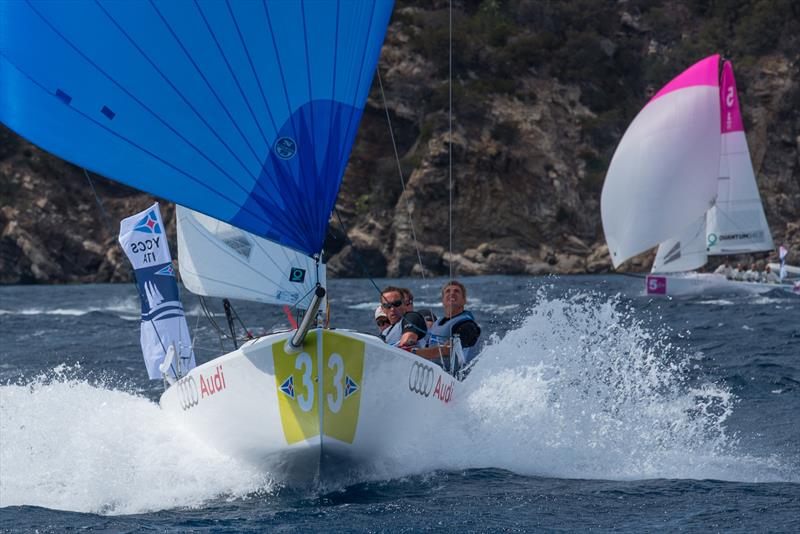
[(390, 305), (382, 322)]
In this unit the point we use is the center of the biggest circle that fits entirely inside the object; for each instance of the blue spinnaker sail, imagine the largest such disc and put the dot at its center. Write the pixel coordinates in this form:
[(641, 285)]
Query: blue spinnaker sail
[(245, 111)]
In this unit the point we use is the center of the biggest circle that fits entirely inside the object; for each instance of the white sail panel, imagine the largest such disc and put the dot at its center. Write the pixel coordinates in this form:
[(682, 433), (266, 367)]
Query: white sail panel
[(663, 175), (684, 253), (737, 223), (220, 260)]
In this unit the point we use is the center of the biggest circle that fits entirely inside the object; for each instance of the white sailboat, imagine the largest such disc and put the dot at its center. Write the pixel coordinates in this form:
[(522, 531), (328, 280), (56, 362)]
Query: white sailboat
[(245, 113), (682, 178)]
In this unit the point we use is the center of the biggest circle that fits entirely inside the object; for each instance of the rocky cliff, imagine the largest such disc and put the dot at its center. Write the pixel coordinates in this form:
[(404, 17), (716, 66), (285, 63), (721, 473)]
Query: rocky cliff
[(542, 92)]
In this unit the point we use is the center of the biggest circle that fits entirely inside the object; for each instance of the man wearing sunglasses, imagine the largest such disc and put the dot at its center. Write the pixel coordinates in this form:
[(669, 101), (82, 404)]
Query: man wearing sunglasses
[(407, 328)]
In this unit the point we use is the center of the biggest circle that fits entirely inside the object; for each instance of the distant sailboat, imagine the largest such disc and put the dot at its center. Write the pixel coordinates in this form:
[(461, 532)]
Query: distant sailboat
[(682, 178), (245, 112)]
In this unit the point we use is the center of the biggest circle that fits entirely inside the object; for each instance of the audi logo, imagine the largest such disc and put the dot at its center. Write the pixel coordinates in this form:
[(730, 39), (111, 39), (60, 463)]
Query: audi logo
[(420, 379), (187, 393)]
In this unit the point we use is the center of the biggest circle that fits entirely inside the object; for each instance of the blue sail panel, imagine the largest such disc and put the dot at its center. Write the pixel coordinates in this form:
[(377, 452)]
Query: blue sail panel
[(245, 111)]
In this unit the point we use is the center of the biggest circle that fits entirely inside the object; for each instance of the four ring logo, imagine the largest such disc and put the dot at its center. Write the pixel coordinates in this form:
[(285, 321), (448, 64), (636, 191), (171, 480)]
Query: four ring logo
[(187, 393), (420, 379)]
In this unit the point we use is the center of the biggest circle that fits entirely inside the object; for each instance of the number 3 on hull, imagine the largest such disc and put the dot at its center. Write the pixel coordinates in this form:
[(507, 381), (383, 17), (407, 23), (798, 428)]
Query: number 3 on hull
[(300, 396)]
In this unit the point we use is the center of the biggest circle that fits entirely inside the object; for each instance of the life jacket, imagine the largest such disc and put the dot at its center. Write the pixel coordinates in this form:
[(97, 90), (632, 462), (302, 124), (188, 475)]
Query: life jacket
[(439, 334), (393, 334)]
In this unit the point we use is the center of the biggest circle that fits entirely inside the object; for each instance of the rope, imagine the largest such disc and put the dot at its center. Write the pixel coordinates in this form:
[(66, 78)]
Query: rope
[(400, 172), (450, 137)]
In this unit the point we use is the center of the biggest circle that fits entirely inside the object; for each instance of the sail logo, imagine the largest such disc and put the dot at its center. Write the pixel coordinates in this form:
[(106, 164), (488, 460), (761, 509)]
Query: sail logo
[(148, 224), (166, 271), (297, 275), (285, 148), (712, 240), (729, 98), (148, 249), (755, 235)]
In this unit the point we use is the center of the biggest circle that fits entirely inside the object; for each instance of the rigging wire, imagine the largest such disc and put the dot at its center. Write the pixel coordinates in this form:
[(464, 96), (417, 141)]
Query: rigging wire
[(357, 255), (400, 172), (450, 135)]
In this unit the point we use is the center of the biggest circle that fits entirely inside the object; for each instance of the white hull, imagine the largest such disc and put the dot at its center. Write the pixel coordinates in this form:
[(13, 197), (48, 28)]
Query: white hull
[(262, 405), (707, 284)]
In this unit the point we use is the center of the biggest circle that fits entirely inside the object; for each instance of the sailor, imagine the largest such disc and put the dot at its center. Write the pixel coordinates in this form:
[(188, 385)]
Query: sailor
[(406, 327), (408, 299), (725, 270), (381, 320), (770, 277), (456, 322), (738, 273), (752, 273)]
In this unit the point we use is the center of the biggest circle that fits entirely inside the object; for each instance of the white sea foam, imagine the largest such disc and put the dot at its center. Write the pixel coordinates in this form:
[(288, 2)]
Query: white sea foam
[(583, 389), (717, 302), (70, 444), (127, 309)]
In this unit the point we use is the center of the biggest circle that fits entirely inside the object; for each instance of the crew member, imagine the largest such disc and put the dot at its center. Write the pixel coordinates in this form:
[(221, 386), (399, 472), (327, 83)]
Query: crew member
[(725, 270), (381, 320), (456, 321), (770, 277), (406, 328)]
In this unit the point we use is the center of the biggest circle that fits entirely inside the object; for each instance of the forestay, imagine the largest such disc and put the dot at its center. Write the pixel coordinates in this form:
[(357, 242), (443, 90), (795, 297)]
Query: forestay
[(220, 260), (736, 224), (664, 172), (245, 111)]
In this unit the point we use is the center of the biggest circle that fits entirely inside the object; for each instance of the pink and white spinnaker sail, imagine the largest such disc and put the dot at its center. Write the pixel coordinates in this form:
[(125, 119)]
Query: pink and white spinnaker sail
[(664, 172), (736, 224)]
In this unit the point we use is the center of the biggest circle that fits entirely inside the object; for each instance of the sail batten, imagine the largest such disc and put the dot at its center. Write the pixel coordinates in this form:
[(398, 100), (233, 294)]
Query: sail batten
[(243, 111)]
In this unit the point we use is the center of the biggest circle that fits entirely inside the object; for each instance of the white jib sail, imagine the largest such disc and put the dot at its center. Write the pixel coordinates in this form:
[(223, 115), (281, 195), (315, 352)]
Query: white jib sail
[(663, 174), (736, 224), (220, 260), (684, 253)]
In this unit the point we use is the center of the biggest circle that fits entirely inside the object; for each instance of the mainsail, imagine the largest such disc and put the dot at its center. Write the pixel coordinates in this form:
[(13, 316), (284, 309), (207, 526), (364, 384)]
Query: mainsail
[(244, 111), (220, 260), (664, 172), (736, 224)]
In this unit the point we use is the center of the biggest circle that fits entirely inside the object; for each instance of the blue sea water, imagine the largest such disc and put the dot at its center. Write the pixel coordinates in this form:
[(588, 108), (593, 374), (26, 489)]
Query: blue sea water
[(591, 408)]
